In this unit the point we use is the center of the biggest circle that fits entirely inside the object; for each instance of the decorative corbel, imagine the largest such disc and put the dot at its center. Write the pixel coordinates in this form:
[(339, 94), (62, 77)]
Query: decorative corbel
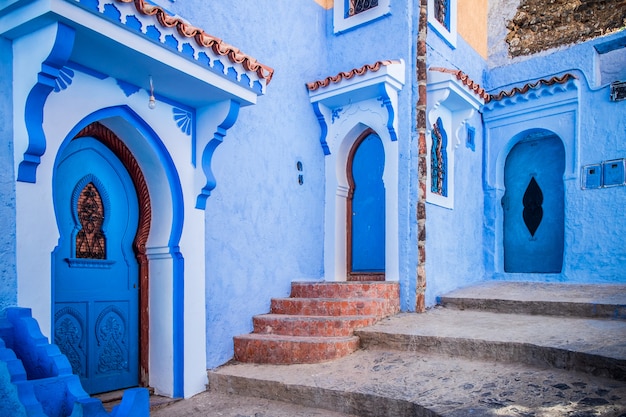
[(46, 82), (209, 149)]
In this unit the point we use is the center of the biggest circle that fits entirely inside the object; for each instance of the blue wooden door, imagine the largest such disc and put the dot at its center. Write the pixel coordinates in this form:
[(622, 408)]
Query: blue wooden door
[(367, 215), (533, 206), (95, 272)]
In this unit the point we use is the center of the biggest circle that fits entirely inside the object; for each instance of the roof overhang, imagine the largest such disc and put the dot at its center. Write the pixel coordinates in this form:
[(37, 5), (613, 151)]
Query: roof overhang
[(112, 34)]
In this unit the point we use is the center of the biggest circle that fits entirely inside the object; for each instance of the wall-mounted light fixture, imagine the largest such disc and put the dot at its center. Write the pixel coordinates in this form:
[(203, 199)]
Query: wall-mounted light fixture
[(151, 100)]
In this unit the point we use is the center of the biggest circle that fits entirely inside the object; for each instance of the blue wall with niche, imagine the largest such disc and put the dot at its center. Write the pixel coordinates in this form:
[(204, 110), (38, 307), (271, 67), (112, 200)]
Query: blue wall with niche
[(594, 224), (263, 229), (392, 36), (454, 237)]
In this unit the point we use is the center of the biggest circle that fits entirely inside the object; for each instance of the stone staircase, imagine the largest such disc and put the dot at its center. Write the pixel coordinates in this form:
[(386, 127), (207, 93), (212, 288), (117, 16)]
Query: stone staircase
[(317, 322), (495, 349)]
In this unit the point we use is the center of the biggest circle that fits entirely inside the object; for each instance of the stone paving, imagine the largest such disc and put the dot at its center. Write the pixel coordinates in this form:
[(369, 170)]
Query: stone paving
[(396, 383), (450, 363)]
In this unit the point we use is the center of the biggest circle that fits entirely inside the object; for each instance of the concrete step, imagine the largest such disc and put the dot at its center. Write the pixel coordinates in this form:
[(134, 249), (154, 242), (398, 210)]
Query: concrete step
[(279, 349), (378, 383), (473, 359), (296, 325), (571, 300), (593, 346), (378, 307), (346, 289)]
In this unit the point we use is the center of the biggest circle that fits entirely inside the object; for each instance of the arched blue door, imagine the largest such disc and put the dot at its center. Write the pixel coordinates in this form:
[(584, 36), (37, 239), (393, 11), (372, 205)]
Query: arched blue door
[(95, 272), (533, 206), (366, 218)]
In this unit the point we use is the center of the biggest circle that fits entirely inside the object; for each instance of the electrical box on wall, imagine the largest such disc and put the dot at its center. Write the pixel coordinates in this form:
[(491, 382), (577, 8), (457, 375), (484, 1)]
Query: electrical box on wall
[(610, 173), (592, 176), (618, 91), (613, 172)]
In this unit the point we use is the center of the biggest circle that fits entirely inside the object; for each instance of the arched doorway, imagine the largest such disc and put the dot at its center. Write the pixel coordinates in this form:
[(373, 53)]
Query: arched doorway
[(366, 209), (100, 270), (533, 205)]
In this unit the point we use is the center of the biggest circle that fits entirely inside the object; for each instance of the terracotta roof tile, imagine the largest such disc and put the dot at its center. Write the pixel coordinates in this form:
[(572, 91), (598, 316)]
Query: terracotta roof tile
[(554, 80), (312, 86), (466, 80), (203, 39)]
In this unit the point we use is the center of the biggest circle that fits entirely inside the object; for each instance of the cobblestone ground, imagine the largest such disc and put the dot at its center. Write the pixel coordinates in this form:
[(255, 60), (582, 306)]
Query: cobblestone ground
[(210, 404), (446, 386)]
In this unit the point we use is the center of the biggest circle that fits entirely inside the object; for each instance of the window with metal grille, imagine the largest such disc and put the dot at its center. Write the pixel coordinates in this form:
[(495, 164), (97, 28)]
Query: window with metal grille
[(359, 6), (439, 159), (90, 240), (350, 14)]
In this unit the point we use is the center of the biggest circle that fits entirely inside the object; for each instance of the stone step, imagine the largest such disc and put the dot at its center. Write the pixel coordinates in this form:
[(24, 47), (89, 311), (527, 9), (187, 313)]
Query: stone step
[(346, 289), (296, 325), (572, 300), (376, 383), (379, 307), (279, 349), (317, 322), (592, 346)]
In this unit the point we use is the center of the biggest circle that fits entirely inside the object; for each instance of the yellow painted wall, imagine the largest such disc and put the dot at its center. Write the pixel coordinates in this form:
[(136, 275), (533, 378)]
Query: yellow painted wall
[(327, 4), (472, 24)]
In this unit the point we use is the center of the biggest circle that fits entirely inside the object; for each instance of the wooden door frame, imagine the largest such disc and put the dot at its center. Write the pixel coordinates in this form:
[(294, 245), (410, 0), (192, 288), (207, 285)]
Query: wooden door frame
[(103, 134), (356, 276)]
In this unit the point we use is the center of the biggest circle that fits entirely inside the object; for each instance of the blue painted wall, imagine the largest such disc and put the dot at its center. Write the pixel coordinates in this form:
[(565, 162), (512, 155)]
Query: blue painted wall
[(391, 37), (595, 223), (263, 229), (8, 276), (454, 237)]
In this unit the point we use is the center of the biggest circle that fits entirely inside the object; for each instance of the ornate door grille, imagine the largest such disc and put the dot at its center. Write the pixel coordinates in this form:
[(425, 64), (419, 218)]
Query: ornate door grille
[(90, 240)]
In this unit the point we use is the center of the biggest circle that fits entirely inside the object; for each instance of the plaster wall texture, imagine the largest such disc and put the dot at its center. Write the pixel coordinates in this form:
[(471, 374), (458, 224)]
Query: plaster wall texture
[(164, 156), (10, 404), (472, 24), (454, 237), (391, 37), (263, 229), (499, 14), (8, 275), (594, 222)]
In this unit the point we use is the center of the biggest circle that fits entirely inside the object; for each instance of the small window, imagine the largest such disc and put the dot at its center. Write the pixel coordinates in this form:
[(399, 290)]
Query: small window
[(442, 15), (90, 240), (348, 14)]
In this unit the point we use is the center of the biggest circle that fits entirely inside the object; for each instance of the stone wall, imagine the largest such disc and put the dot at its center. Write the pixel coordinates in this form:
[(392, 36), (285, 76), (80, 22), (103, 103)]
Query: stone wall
[(539, 25)]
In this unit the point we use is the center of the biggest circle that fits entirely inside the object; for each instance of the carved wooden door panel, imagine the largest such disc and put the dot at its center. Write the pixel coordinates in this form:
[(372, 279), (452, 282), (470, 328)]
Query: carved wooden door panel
[(366, 210), (533, 206), (95, 272)]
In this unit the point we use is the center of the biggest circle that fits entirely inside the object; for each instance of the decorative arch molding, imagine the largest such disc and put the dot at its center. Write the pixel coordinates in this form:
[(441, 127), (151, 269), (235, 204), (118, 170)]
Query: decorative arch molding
[(453, 99), (545, 108), (551, 105), (207, 70), (207, 80), (347, 105)]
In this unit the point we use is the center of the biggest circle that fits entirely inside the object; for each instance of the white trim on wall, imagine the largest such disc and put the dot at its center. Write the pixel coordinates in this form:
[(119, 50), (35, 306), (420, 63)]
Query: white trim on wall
[(342, 22), (449, 35)]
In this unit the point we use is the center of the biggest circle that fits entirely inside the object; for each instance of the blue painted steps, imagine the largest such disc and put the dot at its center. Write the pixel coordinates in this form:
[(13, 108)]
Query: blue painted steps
[(36, 379)]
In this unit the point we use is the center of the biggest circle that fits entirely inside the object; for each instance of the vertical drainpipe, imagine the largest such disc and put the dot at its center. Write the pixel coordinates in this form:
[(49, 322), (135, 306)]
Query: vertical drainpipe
[(420, 299)]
